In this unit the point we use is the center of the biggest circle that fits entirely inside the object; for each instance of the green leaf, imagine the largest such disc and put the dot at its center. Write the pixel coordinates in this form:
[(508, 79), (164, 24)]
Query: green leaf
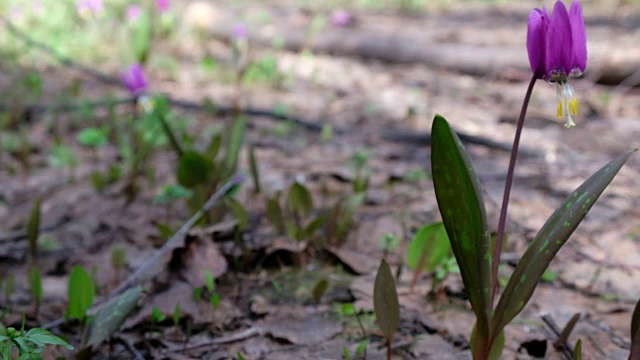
[(385, 302), (33, 228), (81, 292), (193, 169), (157, 316), (577, 351), (111, 316), (274, 214), (253, 167), (35, 283), (320, 288), (429, 247), (93, 137), (299, 200), (161, 108), (496, 347), (635, 333), (236, 135), (176, 314), (42, 337), (141, 40), (239, 212), (462, 209), (348, 309), (553, 235)]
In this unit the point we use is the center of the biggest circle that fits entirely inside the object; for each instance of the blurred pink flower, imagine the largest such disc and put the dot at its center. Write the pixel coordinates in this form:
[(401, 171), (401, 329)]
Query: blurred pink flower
[(240, 31), (89, 6), (133, 13), (341, 18), (134, 80), (163, 5)]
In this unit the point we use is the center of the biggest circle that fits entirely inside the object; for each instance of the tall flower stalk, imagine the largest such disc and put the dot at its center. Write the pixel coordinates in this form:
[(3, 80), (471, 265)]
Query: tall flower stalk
[(557, 49)]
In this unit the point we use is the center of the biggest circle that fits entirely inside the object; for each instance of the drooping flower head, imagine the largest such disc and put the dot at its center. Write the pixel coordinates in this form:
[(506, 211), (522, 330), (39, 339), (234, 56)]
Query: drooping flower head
[(240, 31), (134, 80), (557, 47), (341, 18)]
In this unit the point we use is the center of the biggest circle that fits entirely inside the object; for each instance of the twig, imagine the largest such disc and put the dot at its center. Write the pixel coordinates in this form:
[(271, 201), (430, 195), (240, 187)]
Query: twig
[(548, 320), (146, 269), (241, 335), (129, 346)]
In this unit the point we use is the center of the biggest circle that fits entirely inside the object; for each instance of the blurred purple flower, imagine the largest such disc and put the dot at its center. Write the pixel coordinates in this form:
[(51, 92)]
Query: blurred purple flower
[(163, 5), (557, 47), (240, 31), (341, 18), (134, 80), (133, 12), (89, 6)]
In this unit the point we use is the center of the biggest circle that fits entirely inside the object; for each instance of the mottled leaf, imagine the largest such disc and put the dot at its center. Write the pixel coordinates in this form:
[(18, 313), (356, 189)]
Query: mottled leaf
[(274, 214), (553, 235), (385, 302), (110, 316), (462, 209)]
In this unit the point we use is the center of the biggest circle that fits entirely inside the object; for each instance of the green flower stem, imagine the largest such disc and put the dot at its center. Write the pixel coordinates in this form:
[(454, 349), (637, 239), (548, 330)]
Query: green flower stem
[(507, 188)]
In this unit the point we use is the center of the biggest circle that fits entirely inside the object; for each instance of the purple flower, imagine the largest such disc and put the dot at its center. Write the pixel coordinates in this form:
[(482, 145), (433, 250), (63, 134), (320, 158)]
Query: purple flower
[(239, 31), (133, 78), (341, 18), (163, 5), (133, 13), (85, 7), (557, 47)]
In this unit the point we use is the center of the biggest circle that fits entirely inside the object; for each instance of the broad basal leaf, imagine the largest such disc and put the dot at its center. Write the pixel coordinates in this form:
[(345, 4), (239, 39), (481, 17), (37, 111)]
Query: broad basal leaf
[(429, 248), (462, 209), (81, 292), (552, 236)]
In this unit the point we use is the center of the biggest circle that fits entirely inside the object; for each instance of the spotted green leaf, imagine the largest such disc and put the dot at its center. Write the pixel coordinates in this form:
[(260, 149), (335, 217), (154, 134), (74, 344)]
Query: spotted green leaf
[(110, 316), (553, 235), (462, 209)]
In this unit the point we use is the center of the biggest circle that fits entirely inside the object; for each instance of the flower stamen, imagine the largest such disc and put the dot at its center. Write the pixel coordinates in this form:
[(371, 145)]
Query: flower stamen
[(567, 103)]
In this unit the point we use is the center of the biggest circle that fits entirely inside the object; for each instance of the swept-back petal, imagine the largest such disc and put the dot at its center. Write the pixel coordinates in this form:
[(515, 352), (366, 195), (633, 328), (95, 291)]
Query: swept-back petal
[(559, 42), (536, 39), (579, 36)]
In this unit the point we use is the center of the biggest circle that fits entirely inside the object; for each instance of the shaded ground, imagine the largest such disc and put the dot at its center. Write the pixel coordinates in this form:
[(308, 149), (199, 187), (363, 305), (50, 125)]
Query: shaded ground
[(266, 309)]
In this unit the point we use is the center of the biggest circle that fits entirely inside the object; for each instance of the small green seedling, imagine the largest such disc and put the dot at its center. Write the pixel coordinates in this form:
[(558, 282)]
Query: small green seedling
[(428, 250), (81, 292), (35, 284), (176, 315), (118, 261), (386, 305), (321, 287), (33, 230), (157, 316), (30, 344)]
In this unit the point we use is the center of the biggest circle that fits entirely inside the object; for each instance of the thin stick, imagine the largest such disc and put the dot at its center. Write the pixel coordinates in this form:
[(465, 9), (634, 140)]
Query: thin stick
[(507, 189), (146, 269)]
